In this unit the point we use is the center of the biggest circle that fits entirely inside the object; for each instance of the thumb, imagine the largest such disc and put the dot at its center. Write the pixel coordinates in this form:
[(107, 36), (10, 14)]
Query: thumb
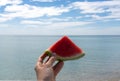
[(57, 68)]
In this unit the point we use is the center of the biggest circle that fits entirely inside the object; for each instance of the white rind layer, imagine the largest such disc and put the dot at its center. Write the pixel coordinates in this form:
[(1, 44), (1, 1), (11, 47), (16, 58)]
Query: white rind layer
[(77, 56)]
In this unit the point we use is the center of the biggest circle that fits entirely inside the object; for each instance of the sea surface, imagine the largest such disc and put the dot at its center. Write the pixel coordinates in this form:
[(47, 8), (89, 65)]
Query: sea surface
[(18, 56)]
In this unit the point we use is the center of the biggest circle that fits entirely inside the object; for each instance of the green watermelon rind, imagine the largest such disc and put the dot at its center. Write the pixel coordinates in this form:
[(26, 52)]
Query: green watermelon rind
[(49, 53)]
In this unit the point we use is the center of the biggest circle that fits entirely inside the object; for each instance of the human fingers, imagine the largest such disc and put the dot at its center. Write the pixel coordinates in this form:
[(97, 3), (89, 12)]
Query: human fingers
[(53, 54), (40, 61), (51, 60), (41, 58), (58, 67)]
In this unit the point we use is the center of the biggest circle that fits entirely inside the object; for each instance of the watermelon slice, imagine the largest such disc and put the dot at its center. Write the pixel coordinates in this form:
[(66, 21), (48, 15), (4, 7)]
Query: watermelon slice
[(65, 49)]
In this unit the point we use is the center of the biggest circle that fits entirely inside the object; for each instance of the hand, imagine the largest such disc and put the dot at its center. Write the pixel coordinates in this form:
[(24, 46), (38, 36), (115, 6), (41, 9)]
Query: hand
[(45, 71)]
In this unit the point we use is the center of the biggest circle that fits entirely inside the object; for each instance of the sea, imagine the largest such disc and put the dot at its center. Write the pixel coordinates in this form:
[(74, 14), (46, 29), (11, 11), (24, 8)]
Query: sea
[(19, 53)]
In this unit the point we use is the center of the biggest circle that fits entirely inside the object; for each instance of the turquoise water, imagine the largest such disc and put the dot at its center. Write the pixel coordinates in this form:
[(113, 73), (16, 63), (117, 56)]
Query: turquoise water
[(18, 55)]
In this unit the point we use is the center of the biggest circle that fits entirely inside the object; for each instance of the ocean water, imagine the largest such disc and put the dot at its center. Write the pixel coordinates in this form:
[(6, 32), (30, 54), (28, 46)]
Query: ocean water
[(18, 56)]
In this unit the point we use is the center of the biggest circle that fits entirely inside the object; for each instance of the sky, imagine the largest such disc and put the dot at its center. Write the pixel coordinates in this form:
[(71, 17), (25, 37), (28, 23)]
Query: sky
[(59, 17)]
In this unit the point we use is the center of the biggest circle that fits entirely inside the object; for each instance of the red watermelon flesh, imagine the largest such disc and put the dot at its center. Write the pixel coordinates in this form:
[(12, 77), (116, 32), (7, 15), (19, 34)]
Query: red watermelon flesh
[(65, 49)]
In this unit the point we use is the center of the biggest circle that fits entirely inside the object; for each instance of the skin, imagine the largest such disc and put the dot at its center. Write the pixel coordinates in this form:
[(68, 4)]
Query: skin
[(46, 70)]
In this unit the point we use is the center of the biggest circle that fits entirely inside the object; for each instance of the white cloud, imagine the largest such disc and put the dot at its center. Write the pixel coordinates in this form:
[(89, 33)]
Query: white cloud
[(3, 19), (44, 0), (104, 18), (5, 2), (64, 25), (55, 25), (30, 22), (48, 21), (4, 25), (56, 28), (110, 9), (58, 19), (96, 7), (114, 0), (28, 11)]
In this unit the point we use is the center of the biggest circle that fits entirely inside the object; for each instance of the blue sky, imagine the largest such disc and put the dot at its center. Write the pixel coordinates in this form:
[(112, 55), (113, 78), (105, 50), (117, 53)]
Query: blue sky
[(59, 17)]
